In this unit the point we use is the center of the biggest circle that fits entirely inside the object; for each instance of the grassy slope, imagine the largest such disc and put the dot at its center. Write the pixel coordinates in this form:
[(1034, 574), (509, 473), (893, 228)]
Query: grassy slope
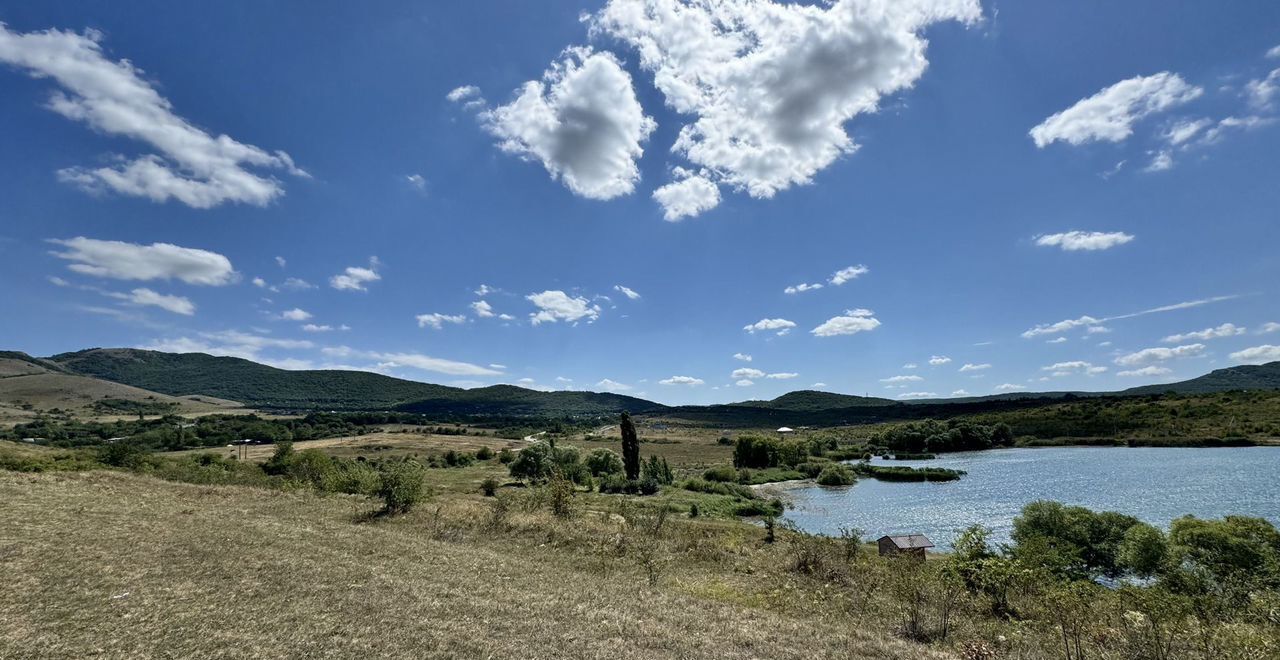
[(126, 566), (42, 387)]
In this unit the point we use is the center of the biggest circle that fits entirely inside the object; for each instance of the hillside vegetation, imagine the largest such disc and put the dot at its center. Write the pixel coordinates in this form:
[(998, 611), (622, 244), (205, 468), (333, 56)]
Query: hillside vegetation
[(30, 387), (265, 387)]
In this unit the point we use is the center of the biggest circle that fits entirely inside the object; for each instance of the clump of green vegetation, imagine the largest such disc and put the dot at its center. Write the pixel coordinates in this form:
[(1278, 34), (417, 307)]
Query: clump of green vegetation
[(630, 447), (902, 473), (403, 486), (837, 474)]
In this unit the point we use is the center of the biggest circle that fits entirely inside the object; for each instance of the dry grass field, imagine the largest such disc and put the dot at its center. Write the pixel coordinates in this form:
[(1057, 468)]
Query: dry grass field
[(104, 564), (24, 396)]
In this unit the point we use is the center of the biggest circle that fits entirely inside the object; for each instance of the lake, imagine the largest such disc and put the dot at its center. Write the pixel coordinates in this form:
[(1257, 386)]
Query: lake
[(1154, 484)]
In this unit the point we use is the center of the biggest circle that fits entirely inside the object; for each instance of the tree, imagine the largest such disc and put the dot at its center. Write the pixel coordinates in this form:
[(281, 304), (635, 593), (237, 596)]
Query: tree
[(630, 448), (1143, 550)]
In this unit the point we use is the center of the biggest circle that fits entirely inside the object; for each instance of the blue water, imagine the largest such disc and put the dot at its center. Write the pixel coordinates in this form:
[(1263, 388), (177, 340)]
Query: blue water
[(1154, 484)]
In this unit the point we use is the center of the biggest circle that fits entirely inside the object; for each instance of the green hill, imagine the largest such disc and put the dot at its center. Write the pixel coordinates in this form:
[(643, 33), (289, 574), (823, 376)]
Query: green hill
[(261, 386), (811, 400), (1245, 377)]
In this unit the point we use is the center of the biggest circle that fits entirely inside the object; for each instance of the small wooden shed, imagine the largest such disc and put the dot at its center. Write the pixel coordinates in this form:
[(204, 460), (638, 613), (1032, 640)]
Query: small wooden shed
[(904, 544)]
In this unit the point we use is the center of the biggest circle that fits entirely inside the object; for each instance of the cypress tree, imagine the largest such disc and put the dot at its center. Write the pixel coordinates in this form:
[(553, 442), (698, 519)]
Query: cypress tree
[(630, 448)]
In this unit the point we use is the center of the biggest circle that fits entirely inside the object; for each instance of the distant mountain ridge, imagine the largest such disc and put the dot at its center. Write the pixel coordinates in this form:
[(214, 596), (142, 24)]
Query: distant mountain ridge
[(265, 387), (262, 386)]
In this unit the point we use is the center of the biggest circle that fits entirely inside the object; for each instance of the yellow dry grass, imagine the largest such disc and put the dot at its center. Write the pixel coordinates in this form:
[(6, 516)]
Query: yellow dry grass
[(124, 566)]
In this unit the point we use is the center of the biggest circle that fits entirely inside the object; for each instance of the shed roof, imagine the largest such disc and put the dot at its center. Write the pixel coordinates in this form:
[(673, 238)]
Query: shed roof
[(909, 541), (785, 429)]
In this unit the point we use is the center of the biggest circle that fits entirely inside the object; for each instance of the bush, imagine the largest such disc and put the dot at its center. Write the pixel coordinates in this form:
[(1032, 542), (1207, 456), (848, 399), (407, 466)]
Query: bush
[(122, 454), (402, 486), (719, 488), (759, 508), (724, 440), (753, 451), (649, 486), (811, 469), (656, 469), (484, 454), (723, 473), (601, 462), (836, 474), (489, 487), (506, 456)]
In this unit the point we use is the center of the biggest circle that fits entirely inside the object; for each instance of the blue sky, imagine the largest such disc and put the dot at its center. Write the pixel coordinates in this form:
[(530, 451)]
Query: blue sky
[(1076, 195)]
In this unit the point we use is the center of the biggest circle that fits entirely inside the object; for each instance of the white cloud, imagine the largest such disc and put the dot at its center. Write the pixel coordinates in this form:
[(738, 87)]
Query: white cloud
[(1257, 354), (1273, 53), (801, 288), (917, 395), (312, 327), (354, 278), (1097, 330), (559, 306), (745, 382), (747, 372), (626, 292), (1063, 326), (297, 284), (783, 375), (613, 386), (1224, 330), (937, 360), (428, 363), (1084, 240), (848, 274), (912, 365), (1150, 355), (783, 326), (1261, 91), (485, 290), (682, 380), (581, 121), (114, 98), (296, 314), (1268, 327), (1145, 372), (259, 282), (818, 385), (280, 261), (960, 393), (158, 261), (1057, 340), (1009, 387), (974, 367), (436, 321), (416, 181), (742, 356), (1060, 326), (229, 343), (770, 85), (901, 379), (1111, 113), (690, 195), (1074, 367), (463, 93), (1161, 161), (851, 323), (147, 297), (482, 309), (1181, 132)]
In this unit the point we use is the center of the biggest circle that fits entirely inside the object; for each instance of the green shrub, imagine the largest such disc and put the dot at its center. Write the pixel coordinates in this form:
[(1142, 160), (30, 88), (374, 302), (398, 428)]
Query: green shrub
[(811, 469), (718, 488), (601, 462), (484, 454), (489, 487), (836, 474), (649, 486), (506, 456), (657, 469), (722, 473), (123, 454), (402, 487)]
